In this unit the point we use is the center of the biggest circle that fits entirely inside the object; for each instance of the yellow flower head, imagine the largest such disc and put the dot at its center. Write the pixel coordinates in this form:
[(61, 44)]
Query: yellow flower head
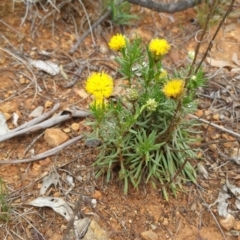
[(174, 88), (100, 85), (159, 47), (117, 42)]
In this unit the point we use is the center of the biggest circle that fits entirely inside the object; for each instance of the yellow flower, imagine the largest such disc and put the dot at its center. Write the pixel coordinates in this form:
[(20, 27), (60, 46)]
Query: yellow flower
[(100, 85), (174, 88), (159, 47), (117, 42)]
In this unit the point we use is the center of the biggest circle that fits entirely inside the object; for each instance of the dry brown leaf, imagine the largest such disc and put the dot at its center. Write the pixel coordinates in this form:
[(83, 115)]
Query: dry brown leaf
[(235, 70), (237, 177), (174, 55), (81, 93), (220, 63), (235, 59)]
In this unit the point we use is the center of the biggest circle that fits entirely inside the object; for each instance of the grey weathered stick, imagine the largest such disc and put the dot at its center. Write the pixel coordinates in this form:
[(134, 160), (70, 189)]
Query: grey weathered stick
[(45, 124), (43, 155), (215, 125), (166, 7), (38, 119), (101, 19)]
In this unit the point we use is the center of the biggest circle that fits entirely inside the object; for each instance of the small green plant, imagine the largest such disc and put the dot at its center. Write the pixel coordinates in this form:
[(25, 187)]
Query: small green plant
[(4, 206), (120, 10), (144, 133)]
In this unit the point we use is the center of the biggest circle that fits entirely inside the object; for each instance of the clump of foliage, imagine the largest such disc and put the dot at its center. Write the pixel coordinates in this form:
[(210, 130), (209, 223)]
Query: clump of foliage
[(120, 12), (145, 134)]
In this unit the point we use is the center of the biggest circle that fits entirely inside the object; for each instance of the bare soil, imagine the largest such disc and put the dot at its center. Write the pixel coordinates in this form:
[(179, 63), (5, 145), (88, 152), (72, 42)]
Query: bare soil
[(122, 216)]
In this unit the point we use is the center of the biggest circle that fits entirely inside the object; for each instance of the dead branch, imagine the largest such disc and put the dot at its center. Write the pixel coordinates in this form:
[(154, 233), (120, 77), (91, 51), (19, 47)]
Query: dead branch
[(99, 21), (46, 154), (237, 135), (166, 7), (37, 119), (36, 124)]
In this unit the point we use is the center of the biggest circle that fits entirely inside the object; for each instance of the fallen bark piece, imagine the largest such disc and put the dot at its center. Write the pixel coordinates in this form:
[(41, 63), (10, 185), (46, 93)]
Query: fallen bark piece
[(51, 179), (57, 204)]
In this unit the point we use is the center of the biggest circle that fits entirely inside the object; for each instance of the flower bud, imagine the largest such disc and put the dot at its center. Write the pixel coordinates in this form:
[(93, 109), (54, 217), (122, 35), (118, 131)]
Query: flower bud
[(132, 95), (151, 105), (191, 54)]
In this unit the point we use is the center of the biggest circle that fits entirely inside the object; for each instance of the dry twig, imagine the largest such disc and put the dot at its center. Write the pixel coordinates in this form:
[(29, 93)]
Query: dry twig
[(216, 126), (99, 21), (166, 7), (43, 155), (30, 128)]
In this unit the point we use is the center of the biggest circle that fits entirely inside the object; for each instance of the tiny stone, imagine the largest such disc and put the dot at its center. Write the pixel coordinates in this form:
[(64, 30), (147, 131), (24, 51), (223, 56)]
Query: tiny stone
[(36, 112), (103, 49), (112, 57), (75, 127), (92, 143), (149, 235), (213, 147), (67, 130), (236, 225), (48, 104), (165, 222), (22, 80), (199, 113), (94, 203), (54, 137), (97, 195), (80, 178), (215, 136), (203, 184), (45, 162), (95, 232), (228, 222), (216, 116), (222, 117), (193, 207), (153, 227)]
